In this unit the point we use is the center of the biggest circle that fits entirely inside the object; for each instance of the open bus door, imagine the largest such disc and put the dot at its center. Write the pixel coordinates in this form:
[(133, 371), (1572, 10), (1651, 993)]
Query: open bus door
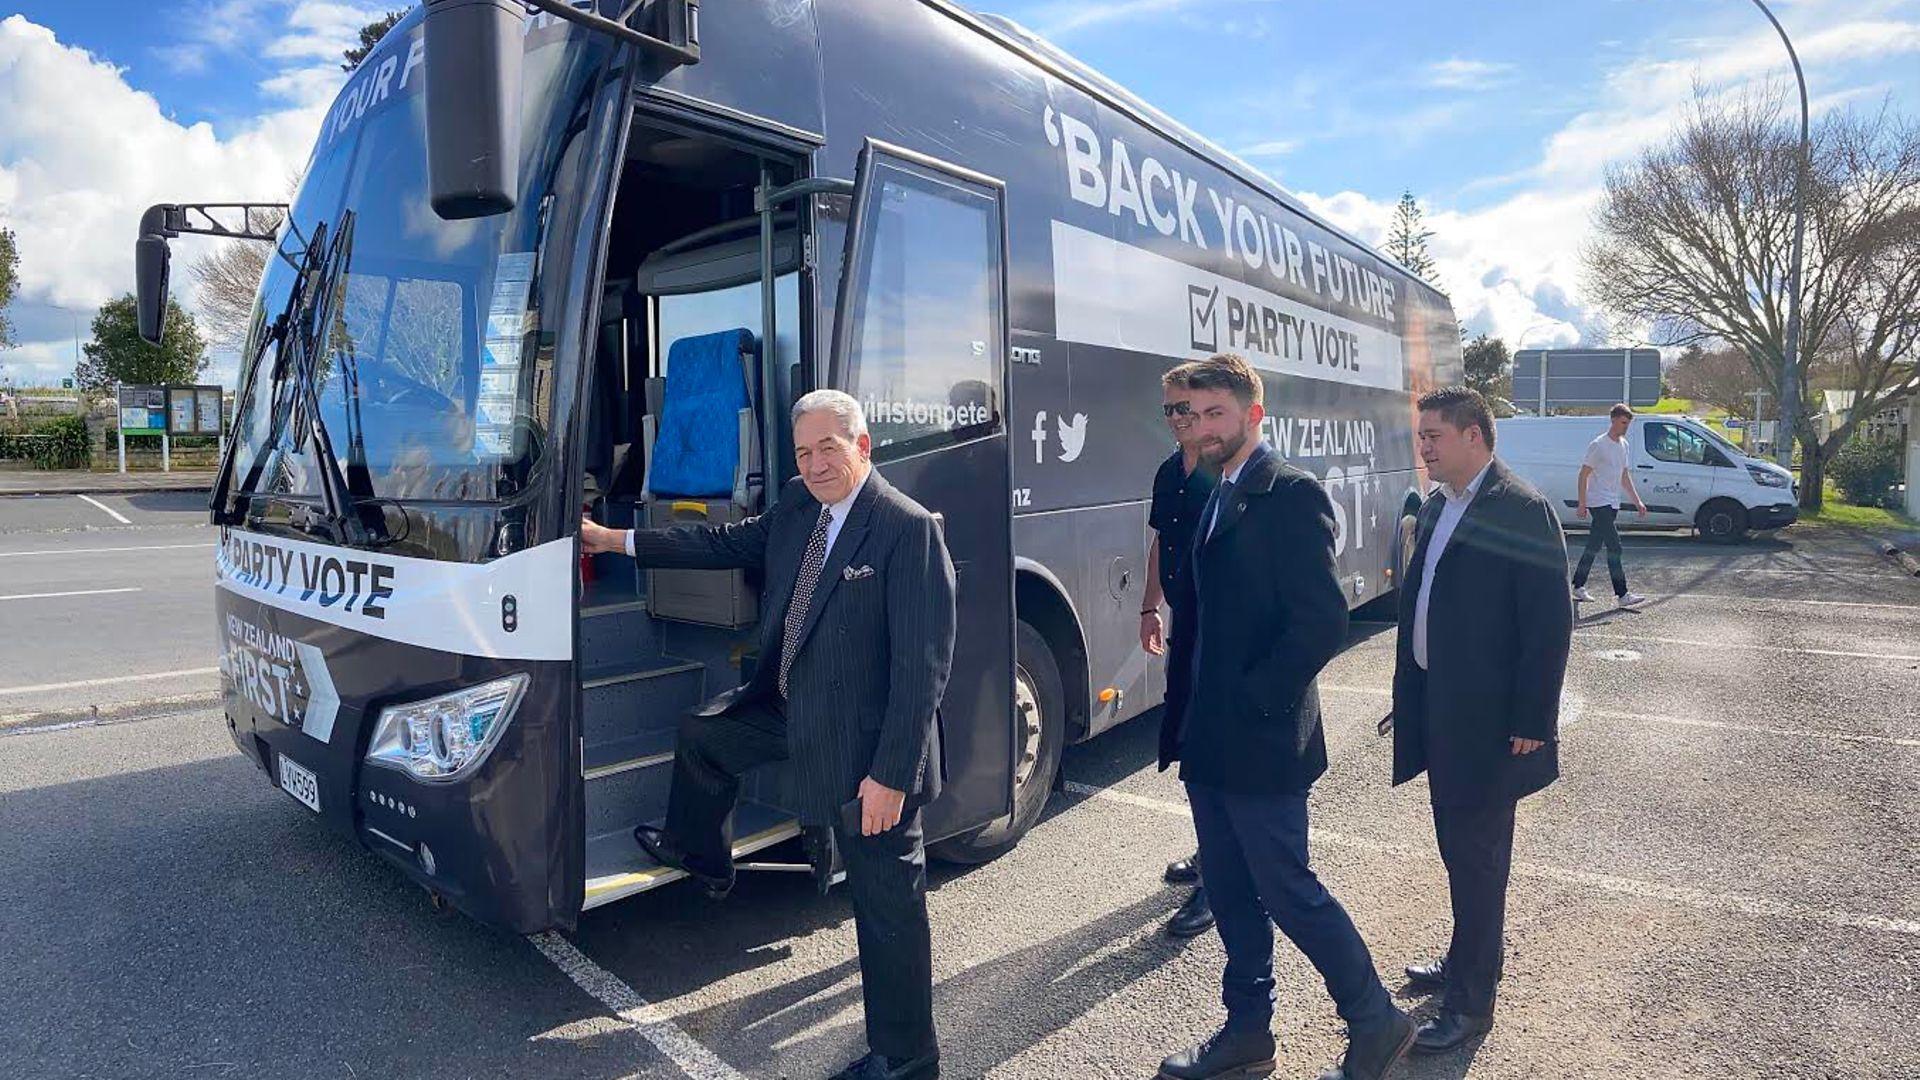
[(920, 339)]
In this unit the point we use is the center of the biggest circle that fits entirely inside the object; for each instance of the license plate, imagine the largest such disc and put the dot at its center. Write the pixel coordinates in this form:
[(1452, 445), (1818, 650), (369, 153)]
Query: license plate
[(298, 781)]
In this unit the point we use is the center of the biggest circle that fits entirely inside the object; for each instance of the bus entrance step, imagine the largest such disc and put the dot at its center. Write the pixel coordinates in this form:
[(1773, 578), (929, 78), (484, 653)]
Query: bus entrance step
[(617, 867), (617, 707)]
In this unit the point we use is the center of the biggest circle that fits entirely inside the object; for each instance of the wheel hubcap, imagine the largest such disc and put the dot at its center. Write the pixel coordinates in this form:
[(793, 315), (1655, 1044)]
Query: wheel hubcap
[(1026, 706)]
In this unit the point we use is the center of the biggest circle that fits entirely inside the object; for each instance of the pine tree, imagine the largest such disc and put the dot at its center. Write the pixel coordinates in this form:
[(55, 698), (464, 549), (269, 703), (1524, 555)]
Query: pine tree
[(370, 36), (1407, 243)]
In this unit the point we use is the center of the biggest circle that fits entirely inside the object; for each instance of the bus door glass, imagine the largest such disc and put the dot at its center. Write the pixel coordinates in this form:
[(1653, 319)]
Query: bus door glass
[(921, 341)]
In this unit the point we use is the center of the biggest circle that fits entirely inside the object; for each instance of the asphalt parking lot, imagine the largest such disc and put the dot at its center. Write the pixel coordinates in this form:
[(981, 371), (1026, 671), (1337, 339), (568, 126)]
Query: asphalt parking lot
[(1723, 885)]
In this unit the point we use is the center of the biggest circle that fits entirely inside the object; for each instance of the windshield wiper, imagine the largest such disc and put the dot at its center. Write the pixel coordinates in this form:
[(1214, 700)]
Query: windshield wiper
[(309, 266), (303, 331)]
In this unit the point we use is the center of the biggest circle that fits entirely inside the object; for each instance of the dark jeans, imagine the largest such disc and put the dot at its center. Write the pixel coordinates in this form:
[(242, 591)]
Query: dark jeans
[(1476, 843), (1253, 852), (1604, 531), (886, 874)]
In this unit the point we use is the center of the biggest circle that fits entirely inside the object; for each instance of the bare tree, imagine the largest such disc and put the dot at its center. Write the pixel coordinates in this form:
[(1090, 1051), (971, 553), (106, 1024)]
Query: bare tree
[(229, 277), (1721, 377), (1693, 241)]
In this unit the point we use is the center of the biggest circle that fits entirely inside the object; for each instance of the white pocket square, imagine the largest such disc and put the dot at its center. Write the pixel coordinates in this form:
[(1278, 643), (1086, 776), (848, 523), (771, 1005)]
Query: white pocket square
[(855, 573)]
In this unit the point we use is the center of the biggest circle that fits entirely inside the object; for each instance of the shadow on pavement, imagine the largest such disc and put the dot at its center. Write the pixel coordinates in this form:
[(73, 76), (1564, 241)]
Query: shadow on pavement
[(191, 920)]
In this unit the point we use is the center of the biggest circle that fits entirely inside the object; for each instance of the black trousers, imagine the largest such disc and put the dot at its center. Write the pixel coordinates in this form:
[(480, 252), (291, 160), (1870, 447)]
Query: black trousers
[(1476, 843), (1605, 531), (886, 874)]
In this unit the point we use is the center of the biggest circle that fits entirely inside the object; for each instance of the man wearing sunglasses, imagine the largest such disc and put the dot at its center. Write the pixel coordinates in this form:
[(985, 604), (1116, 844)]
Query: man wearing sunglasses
[(1180, 491)]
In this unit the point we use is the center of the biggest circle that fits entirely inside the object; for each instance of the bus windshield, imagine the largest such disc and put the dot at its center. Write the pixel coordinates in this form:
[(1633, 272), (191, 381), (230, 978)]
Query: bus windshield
[(435, 370)]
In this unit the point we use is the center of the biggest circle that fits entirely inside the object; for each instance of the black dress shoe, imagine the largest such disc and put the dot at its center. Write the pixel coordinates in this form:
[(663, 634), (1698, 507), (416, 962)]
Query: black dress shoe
[(876, 1067), (1228, 1054), (655, 842), (1184, 871), (1431, 975), (1194, 918), (822, 856), (1449, 1029), (1373, 1051)]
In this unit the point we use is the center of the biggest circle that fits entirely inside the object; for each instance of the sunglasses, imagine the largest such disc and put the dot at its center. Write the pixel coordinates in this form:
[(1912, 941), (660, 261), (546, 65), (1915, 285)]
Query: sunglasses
[(1176, 408)]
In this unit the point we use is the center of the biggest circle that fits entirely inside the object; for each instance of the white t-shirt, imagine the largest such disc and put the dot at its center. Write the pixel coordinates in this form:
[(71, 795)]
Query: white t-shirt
[(1607, 459)]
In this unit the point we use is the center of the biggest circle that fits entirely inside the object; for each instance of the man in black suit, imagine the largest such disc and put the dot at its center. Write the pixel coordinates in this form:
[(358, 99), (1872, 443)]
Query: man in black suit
[(1271, 613), (1485, 627), (856, 643)]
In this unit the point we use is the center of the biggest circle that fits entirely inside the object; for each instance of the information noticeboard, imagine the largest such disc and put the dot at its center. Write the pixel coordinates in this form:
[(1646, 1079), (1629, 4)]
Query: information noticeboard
[(143, 410), (171, 410), (207, 414), (180, 410)]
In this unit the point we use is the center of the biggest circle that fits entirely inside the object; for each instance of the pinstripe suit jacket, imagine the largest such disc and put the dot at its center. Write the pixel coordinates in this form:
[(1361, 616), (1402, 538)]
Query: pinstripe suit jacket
[(874, 652)]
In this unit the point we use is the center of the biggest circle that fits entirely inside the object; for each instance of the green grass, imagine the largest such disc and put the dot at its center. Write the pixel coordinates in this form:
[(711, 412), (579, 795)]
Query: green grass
[(1835, 511)]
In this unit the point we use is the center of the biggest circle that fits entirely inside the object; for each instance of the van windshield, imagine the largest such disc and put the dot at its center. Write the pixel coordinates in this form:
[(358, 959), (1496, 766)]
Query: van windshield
[(435, 374)]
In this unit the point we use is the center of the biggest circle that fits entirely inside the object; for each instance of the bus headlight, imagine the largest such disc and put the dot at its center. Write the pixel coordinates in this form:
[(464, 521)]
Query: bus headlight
[(1767, 477), (446, 737)]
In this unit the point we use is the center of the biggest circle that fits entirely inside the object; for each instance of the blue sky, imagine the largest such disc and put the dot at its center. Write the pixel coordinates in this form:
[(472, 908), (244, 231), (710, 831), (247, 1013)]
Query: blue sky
[(1501, 115)]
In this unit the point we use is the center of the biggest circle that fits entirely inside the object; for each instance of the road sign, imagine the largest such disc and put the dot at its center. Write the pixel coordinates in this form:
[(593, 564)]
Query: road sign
[(1733, 423), (66, 384), (1586, 378)]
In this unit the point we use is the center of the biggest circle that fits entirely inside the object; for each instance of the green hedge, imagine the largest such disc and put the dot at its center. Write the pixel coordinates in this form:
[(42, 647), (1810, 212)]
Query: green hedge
[(61, 443), (1865, 471)]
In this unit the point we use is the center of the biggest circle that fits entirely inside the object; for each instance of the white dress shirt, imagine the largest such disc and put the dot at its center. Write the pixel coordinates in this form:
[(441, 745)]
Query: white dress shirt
[(839, 510), (1230, 478), (1450, 515)]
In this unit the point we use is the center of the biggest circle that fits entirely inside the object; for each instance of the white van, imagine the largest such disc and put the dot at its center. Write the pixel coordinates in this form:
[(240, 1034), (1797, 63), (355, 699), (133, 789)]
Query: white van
[(1687, 474)]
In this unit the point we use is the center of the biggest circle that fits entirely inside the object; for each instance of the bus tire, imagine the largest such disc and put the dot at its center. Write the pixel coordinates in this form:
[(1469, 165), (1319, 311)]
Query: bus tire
[(1722, 521), (1040, 714)]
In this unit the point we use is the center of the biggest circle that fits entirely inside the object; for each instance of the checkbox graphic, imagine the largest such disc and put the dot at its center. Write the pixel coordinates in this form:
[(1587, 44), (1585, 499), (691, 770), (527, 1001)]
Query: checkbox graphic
[(1204, 329)]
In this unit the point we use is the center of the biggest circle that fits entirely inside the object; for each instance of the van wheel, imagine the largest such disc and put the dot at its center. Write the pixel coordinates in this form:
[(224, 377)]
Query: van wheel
[(1040, 723), (1722, 521)]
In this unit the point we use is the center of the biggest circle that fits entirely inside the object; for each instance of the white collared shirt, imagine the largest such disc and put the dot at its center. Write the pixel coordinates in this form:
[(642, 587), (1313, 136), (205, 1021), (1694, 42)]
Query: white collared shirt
[(1230, 478), (1450, 515), (839, 510)]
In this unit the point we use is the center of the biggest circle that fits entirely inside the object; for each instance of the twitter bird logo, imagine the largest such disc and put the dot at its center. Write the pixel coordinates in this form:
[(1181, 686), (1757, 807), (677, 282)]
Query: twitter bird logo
[(1073, 436)]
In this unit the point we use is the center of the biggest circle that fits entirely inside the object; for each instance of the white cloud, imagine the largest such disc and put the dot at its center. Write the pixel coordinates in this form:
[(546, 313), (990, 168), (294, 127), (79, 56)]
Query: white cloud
[(1458, 74), (1060, 19), (1513, 267), (82, 154), (1270, 149)]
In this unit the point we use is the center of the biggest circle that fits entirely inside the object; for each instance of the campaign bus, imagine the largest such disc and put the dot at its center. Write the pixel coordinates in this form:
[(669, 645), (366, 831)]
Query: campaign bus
[(549, 257)]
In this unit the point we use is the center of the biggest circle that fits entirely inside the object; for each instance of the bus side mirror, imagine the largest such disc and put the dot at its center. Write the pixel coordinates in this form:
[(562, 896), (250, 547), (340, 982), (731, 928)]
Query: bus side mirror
[(152, 263), (473, 58)]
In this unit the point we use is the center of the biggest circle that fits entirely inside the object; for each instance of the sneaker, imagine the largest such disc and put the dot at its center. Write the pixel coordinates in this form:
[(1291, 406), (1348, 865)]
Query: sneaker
[(1581, 595), (1631, 600)]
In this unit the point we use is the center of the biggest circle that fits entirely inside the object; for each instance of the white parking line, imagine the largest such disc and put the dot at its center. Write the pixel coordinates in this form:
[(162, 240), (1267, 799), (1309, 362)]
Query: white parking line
[(1782, 600), (1753, 729), (104, 508), (642, 1016), (1612, 883), (81, 684), (1742, 645), (76, 592), (103, 550), (1573, 707)]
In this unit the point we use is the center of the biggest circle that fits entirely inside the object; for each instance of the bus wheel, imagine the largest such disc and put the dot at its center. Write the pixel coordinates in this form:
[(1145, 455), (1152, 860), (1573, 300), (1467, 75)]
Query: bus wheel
[(1722, 521), (1039, 706)]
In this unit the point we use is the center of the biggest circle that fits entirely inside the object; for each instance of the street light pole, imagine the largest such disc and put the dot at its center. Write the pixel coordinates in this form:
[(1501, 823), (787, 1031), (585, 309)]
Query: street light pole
[(1789, 392)]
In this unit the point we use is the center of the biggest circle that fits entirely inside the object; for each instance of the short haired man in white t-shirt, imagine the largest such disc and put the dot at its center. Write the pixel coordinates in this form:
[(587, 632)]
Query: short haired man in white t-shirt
[(1604, 477)]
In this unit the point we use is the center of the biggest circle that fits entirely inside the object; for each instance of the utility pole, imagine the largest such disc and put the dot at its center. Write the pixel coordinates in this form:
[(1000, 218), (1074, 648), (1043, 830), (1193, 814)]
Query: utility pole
[(1789, 391)]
